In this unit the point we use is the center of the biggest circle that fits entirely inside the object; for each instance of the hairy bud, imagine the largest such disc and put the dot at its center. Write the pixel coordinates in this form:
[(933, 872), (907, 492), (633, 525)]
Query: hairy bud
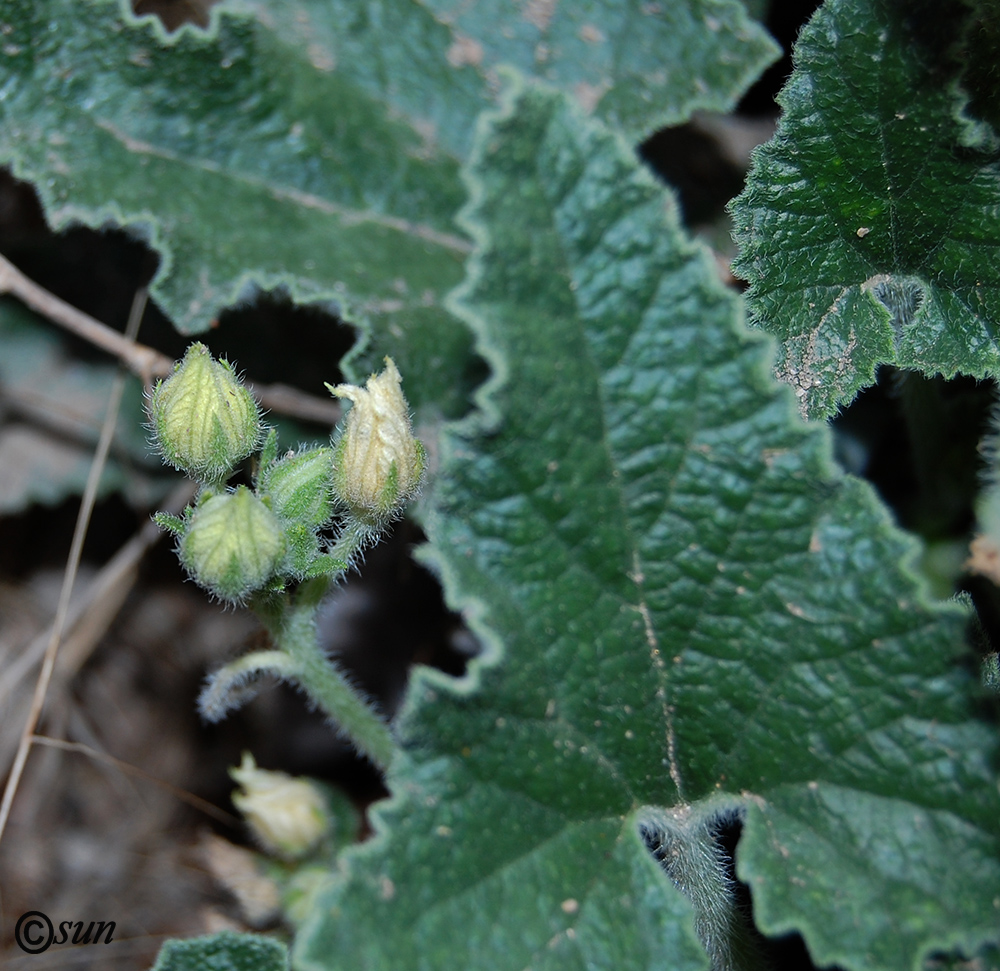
[(298, 486), (232, 544), (204, 419), (287, 815), (378, 463)]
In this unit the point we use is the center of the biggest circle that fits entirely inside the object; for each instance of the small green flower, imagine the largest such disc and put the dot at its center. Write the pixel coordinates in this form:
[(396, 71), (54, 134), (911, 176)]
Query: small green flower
[(233, 544), (204, 419), (378, 464)]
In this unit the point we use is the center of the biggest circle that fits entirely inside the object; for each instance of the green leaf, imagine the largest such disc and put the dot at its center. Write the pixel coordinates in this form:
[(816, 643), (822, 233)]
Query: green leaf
[(225, 951), (243, 163), (435, 355), (686, 610), (868, 226), (643, 65), (639, 66), (395, 51), (311, 151), (932, 863)]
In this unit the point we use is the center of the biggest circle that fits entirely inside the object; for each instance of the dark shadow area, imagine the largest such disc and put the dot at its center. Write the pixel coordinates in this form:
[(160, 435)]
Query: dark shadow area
[(692, 163), (97, 272), (39, 537), (175, 13), (785, 953), (274, 340), (785, 18), (705, 162), (916, 440)]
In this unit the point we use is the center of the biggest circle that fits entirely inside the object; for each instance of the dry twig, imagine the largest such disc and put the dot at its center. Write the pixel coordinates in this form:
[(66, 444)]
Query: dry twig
[(203, 805), (147, 362), (69, 577)]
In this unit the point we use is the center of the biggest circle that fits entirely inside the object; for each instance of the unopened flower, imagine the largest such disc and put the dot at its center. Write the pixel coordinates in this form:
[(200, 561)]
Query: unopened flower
[(232, 544), (287, 815), (204, 419), (378, 463), (298, 486)]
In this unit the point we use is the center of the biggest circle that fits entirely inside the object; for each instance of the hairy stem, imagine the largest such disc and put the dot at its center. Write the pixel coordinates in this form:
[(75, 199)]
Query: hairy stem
[(686, 846), (291, 621), (328, 687), (232, 685)]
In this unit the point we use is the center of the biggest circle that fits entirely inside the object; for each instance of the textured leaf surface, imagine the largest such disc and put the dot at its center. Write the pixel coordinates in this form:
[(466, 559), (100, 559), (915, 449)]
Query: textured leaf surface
[(639, 65), (309, 147), (395, 51), (683, 600), (225, 951), (244, 163), (869, 227)]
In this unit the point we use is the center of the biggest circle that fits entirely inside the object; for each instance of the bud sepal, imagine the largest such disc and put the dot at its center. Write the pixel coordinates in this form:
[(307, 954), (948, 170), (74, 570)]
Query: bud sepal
[(298, 486)]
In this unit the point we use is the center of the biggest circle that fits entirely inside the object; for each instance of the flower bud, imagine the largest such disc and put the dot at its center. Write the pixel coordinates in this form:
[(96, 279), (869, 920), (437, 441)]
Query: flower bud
[(204, 419), (378, 463), (233, 544), (287, 815), (298, 486)]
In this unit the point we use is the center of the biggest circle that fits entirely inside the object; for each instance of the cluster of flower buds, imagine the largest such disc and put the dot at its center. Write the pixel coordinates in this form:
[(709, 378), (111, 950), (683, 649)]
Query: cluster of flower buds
[(235, 542)]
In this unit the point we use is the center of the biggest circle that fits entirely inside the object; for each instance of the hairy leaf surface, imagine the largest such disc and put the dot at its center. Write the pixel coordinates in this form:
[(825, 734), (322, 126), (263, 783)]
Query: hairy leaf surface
[(868, 227), (308, 147), (243, 163), (686, 607), (225, 951), (639, 65)]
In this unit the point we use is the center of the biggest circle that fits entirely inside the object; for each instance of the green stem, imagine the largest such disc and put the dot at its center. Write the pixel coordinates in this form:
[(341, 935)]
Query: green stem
[(232, 685), (291, 623), (327, 686), (685, 844), (354, 536)]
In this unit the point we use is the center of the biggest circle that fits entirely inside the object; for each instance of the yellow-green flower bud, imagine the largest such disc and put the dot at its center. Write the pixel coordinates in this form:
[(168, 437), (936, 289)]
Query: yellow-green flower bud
[(298, 486), (378, 463), (287, 815), (204, 419), (233, 544)]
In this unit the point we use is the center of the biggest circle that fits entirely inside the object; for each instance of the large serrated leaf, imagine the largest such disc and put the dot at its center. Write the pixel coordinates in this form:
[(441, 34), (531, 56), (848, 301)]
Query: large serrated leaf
[(638, 65), (310, 148), (868, 228), (245, 164), (686, 607)]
